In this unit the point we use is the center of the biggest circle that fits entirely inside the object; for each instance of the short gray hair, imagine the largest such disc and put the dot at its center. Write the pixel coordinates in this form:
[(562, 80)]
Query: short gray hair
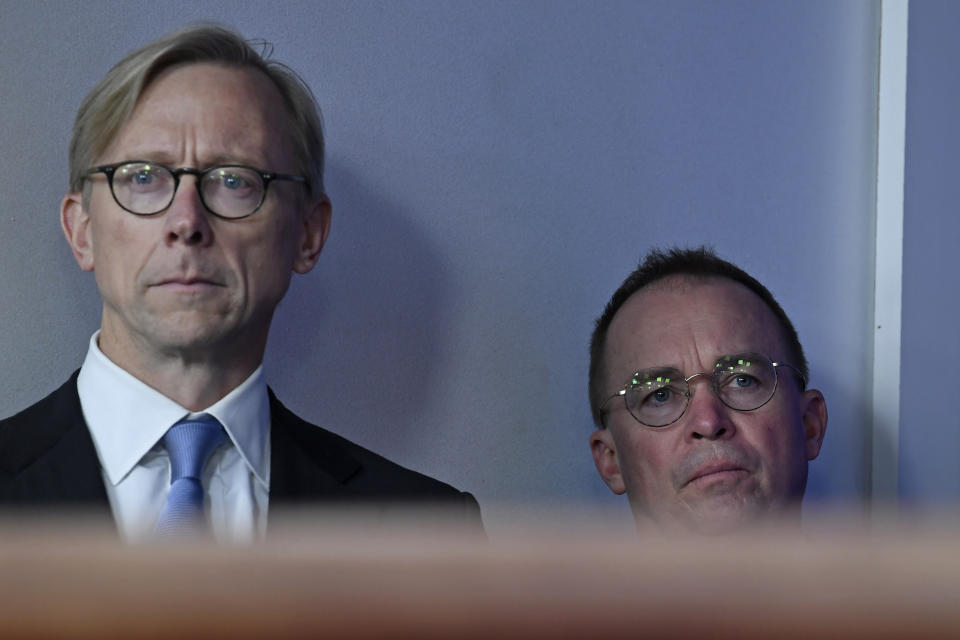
[(109, 105)]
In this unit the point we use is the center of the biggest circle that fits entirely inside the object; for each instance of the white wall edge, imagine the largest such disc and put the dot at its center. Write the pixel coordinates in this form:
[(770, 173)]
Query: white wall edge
[(891, 127)]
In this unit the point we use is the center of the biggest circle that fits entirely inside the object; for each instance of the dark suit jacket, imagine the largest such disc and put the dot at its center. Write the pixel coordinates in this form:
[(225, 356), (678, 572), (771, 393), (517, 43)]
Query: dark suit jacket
[(47, 458)]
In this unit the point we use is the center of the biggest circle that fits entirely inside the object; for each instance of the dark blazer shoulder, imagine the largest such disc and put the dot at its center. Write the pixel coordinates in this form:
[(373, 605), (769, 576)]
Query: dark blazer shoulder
[(309, 462), (47, 454)]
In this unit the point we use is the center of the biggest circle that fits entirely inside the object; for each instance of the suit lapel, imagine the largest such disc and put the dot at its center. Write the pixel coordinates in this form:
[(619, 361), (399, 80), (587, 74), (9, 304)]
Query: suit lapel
[(49, 454), (306, 462), (47, 457)]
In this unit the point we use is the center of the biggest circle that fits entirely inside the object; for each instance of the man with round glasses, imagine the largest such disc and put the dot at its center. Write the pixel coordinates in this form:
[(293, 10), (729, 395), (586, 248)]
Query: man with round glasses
[(196, 191), (698, 390)]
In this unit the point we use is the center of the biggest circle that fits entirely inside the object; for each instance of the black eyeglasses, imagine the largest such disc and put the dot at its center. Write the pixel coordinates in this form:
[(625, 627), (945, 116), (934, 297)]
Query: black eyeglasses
[(659, 396), (228, 191)]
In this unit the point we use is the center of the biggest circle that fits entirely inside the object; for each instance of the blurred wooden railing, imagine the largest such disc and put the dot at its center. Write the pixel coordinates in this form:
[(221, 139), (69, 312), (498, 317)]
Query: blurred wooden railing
[(319, 576)]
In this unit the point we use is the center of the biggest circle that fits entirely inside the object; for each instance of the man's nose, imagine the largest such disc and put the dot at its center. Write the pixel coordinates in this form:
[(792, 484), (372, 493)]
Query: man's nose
[(187, 219), (707, 417)]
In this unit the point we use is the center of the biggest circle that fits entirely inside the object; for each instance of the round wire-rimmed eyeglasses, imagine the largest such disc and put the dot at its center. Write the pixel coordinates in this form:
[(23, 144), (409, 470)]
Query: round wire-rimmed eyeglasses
[(659, 396)]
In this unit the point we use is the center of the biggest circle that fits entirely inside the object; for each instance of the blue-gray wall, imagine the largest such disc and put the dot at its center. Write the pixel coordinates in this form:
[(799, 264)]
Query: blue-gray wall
[(496, 169), (929, 421)]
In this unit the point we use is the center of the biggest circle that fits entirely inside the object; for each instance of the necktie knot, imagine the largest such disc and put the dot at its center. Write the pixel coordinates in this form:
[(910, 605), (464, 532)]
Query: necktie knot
[(189, 443)]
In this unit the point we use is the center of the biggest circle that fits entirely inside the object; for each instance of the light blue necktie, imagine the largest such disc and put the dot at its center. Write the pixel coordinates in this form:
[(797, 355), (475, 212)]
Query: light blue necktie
[(189, 443)]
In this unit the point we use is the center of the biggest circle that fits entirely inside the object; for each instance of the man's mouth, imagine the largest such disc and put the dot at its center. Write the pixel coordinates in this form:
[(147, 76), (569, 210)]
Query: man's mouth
[(187, 284), (716, 472)]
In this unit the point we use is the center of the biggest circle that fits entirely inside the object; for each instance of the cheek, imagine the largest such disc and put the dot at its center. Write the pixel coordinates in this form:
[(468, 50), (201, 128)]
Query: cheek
[(266, 261), (280, 238), (644, 462), (778, 439), (115, 246), (273, 257)]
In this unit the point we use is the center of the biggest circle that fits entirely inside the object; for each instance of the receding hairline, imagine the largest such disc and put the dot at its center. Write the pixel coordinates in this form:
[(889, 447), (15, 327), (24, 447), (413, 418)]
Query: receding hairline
[(660, 264), (269, 97), (257, 77), (109, 104), (277, 113), (682, 282)]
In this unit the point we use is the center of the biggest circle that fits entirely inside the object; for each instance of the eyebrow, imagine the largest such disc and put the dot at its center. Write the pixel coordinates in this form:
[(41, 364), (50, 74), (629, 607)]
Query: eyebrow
[(654, 372), (740, 355), (166, 158)]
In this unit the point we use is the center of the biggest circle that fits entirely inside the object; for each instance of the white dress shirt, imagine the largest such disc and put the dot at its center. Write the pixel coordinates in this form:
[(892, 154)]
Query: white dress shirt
[(127, 419)]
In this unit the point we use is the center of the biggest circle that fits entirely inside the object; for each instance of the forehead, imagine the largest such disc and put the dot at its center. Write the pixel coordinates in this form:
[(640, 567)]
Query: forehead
[(213, 112), (688, 322)]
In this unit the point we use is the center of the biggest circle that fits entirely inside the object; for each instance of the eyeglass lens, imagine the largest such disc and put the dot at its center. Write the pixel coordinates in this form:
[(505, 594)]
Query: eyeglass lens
[(145, 189), (658, 397)]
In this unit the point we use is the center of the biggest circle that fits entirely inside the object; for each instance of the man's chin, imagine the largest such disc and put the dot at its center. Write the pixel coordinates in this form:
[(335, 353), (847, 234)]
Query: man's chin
[(201, 343), (191, 341)]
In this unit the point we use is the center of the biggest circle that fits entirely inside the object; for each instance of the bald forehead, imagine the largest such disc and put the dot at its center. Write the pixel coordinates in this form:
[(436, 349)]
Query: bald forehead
[(717, 313), (687, 283)]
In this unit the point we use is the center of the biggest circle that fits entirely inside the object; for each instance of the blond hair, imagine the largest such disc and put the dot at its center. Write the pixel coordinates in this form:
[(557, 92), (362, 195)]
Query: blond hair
[(109, 105)]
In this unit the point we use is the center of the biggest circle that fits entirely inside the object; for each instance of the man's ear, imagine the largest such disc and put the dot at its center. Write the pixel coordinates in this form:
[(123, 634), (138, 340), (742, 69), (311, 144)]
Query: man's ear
[(75, 222), (814, 421), (313, 234), (605, 457)]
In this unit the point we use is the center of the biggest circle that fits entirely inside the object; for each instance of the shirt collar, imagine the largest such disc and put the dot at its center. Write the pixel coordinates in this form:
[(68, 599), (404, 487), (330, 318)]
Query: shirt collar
[(127, 418)]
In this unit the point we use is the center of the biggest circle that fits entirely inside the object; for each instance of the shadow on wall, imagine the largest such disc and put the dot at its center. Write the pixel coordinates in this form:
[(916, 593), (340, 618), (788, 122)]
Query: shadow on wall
[(356, 345)]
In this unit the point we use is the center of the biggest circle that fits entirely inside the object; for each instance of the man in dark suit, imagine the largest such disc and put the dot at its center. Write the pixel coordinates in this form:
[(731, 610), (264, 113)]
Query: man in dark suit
[(196, 172)]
